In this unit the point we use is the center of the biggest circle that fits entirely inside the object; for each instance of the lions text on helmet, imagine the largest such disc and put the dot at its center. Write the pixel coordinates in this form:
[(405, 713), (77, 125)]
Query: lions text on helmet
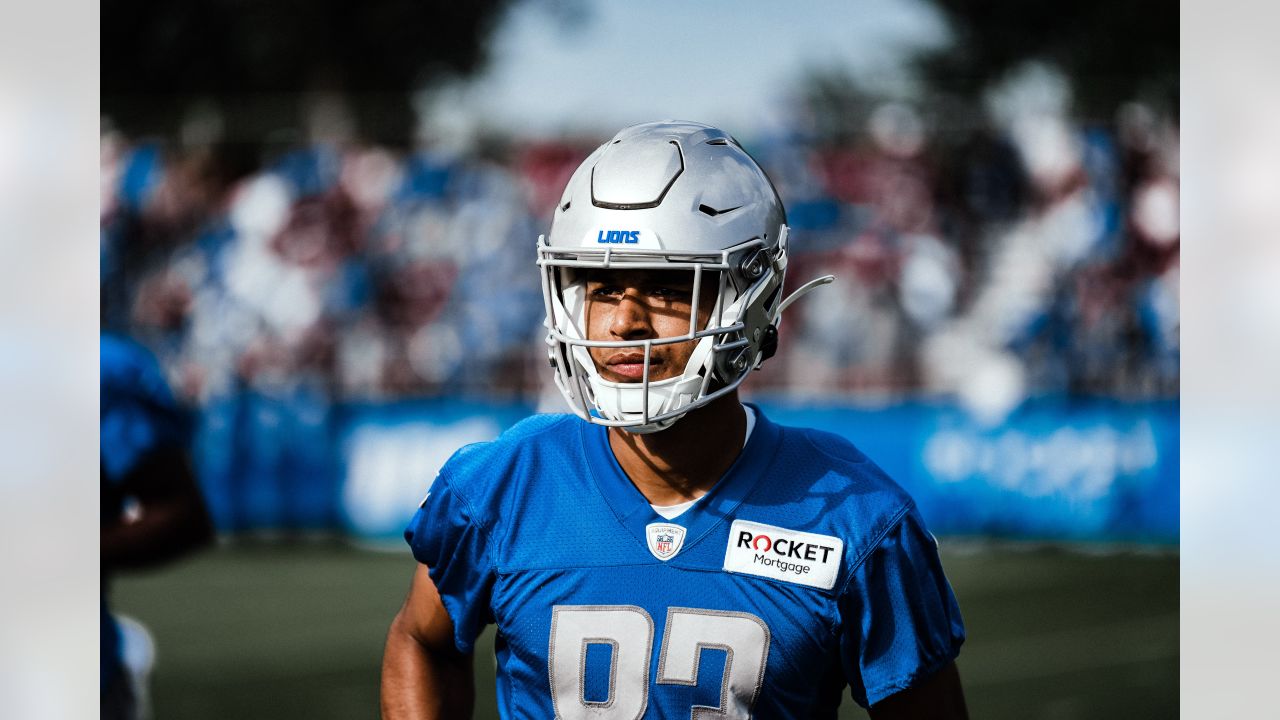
[(685, 199)]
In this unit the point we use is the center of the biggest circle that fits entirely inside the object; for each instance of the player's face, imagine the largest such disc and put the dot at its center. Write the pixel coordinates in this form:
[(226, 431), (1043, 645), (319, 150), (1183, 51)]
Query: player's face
[(642, 305)]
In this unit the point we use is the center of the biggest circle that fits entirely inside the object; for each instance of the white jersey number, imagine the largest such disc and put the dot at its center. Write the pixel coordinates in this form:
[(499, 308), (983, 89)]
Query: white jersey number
[(629, 631)]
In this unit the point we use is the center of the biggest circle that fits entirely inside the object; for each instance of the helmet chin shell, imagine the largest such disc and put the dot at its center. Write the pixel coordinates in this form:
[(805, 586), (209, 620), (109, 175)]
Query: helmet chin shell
[(665, 196)]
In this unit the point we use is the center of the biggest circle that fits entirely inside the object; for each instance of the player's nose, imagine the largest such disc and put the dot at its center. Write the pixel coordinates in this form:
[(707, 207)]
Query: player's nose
[(631, 317)]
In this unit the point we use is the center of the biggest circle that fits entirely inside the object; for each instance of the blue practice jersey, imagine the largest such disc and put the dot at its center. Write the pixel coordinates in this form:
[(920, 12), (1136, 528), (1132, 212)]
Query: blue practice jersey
[(138, 414), (804, 571)]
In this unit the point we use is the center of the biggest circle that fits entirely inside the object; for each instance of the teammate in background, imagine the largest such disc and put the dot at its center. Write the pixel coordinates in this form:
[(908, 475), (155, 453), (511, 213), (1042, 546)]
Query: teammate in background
[(670, 552), (152, 509)]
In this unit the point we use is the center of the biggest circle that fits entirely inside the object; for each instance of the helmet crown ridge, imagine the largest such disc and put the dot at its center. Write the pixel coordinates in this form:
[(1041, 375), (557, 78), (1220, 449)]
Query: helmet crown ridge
[(635, 175), (686, 186)]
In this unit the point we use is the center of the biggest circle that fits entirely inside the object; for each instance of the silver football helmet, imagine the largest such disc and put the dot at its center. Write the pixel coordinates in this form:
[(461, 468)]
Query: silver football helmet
[(667, 196)]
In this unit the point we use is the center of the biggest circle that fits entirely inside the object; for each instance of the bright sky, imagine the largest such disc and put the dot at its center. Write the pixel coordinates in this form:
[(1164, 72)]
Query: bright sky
[(716, 61)]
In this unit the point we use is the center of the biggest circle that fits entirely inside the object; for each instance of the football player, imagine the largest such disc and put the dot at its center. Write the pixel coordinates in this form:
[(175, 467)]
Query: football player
[(667, 551), (152, 508)]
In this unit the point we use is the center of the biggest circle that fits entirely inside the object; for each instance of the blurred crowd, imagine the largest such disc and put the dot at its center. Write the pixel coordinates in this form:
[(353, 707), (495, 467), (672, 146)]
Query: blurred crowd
[(1029, 253)]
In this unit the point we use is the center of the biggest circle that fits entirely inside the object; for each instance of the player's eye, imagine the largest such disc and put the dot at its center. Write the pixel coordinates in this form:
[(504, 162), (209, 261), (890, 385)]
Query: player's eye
[(670, 293), (604, 291)]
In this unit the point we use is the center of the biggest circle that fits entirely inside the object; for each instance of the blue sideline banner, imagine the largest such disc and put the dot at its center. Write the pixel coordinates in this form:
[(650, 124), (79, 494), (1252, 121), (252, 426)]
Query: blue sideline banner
[(1096, 470), (1057, 469), (267, 463)]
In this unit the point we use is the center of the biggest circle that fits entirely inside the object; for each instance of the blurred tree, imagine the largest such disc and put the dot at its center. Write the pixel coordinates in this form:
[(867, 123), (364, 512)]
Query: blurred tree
[(240, 73), (1113, 50), (838, 104)]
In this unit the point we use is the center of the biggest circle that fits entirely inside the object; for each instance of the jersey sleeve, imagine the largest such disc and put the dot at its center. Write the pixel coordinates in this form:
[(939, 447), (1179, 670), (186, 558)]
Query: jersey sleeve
[(901, 620), (446, 536)]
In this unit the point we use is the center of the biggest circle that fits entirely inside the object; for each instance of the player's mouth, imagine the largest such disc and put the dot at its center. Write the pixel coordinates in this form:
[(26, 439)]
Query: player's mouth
[(631, 365)]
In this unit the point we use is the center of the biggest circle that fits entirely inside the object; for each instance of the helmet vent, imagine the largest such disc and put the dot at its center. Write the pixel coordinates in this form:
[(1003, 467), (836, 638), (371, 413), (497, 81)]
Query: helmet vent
[(566, 205), (718, 141), (712, 212)]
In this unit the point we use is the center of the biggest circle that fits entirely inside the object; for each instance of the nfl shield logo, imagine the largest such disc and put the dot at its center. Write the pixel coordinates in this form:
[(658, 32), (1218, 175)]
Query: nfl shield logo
[(665, 539)]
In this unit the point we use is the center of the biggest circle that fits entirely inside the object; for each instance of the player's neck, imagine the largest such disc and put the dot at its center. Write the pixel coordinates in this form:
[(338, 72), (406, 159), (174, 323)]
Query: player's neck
[(684, 461)]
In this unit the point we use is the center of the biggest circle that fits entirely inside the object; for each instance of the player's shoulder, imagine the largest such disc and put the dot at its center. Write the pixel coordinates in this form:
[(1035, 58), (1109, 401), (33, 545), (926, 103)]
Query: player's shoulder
[(124, 362), (480, 470), (529, 436), (128, 372), (836, 463), (831, 486)]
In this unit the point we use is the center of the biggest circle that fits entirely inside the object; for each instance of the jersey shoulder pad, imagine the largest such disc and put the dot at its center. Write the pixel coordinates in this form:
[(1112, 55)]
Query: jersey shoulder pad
[(127, 369), (859, 499), (845, 461), (482, 470)]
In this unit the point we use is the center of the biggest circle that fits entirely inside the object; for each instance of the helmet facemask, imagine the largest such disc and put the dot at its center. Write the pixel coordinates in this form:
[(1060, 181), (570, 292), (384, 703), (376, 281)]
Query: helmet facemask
[(747, 280)]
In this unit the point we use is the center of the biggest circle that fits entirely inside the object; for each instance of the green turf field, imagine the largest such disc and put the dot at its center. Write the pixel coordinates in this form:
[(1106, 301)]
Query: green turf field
[(296, 631)]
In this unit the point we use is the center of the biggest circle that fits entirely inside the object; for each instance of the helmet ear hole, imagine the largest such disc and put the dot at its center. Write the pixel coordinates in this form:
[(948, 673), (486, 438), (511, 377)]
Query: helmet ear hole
[(769, 342)]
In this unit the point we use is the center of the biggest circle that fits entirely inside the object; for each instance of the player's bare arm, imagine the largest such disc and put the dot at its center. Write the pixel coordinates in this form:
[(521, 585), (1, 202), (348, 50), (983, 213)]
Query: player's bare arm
[(424, 677), (940, 697)]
